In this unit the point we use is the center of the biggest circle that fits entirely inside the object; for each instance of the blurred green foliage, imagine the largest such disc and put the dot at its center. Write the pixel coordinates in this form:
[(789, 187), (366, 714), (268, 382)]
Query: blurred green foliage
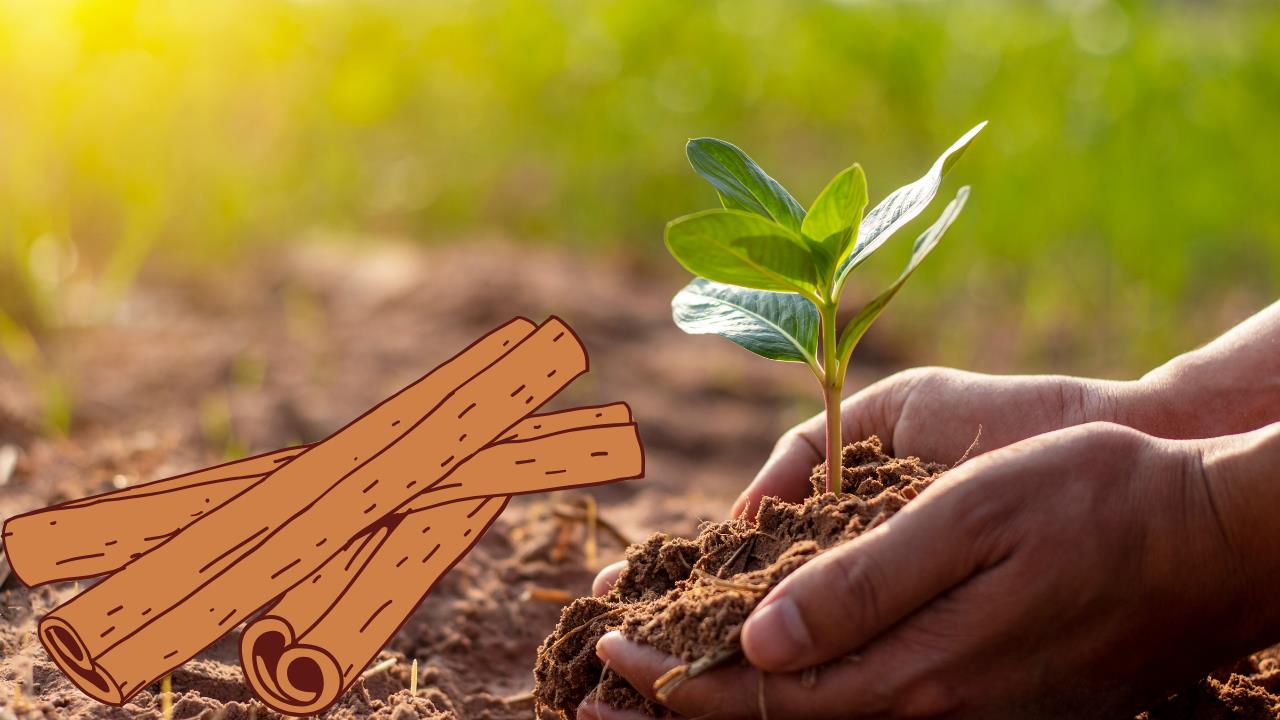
[(1123, 195)]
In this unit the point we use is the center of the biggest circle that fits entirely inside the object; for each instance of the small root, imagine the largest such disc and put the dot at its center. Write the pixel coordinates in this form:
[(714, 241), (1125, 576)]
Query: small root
[(384, 665), (564, 540), (600, 681), (567, 512), (518, 699), (166, 697), (582, 627), (745, 548), (729, 584), (972, 446), (592, 519), (672, 679), (549, 595)]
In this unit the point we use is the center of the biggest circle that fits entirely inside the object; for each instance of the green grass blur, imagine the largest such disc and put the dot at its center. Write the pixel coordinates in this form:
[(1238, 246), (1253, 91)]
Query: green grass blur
[(1124, 194)]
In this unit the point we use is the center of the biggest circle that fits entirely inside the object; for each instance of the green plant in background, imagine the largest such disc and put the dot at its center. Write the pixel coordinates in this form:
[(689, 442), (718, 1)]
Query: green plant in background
[(771, 274)]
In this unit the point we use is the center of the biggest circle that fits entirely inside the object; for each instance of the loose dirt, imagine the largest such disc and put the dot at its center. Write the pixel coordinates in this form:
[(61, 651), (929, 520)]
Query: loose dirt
[(196, 368), (689, 598)]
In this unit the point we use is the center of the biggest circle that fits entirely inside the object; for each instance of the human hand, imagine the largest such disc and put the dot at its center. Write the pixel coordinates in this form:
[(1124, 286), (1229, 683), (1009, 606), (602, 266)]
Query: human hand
[(935, 414), (1078, 573)]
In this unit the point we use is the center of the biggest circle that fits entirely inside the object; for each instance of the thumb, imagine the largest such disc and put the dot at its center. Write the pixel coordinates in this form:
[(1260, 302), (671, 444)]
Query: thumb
[(871, 411), (839, 601)]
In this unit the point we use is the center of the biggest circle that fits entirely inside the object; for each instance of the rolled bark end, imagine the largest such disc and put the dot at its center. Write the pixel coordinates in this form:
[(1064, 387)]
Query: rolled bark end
[(70, 654), (290, 678)]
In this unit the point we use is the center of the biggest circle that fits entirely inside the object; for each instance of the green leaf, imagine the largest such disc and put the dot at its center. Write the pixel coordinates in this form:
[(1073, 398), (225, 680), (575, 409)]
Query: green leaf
[(837, 211), (739, 248), (924, 245), (778, 326), (741, 183), (901, 206)]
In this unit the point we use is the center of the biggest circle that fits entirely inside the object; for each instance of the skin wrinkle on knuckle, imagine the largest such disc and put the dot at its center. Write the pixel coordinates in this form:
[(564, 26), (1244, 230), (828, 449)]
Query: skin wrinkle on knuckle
[(1212, 509), (1078, 400), (1105, 401), (1193, 468), (1069, 397)]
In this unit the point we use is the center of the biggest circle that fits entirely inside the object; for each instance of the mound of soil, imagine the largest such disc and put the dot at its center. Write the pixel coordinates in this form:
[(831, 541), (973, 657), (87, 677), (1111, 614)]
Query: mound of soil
[(689, 598)]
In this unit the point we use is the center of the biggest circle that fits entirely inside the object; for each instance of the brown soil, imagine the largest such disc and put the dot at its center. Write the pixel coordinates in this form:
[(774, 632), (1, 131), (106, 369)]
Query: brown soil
[(289, 349), (689, 598)]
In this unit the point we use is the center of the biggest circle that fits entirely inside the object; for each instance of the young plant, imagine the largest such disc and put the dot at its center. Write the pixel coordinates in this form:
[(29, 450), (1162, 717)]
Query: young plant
[(771, 274)]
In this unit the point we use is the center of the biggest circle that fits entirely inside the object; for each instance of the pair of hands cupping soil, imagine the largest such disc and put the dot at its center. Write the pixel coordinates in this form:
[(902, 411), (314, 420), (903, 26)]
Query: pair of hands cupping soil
[(339, 540), (1109, 546)]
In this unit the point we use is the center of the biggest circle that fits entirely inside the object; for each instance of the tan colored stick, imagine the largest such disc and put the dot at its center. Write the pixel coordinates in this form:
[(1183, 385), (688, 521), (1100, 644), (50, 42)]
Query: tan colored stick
[(162, 609), (304, 674), (565, 459), (304, 652), (98, 535)]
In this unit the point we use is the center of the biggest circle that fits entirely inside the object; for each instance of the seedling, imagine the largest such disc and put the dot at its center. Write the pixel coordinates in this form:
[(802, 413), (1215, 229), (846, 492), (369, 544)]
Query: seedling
[(771, 274)]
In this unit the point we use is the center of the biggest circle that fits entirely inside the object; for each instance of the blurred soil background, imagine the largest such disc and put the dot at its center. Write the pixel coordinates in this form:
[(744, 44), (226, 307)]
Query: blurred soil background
[(231, 226)]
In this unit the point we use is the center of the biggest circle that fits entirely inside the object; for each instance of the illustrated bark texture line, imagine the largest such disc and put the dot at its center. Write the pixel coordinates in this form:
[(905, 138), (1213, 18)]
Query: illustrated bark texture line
[(98, 535), (307, 649), (162, 609), (301, 675)]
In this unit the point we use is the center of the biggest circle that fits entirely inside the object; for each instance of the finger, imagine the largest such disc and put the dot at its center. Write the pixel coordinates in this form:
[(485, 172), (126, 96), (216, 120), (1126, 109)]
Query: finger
[(605, 579), (718, 693), (786, 473), (843, 690), (839, 601), (871, 411), (595, 710)]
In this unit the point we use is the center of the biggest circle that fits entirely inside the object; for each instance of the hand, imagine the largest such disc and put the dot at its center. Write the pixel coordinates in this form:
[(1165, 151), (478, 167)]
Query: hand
[(935, 413), (1079, 573)]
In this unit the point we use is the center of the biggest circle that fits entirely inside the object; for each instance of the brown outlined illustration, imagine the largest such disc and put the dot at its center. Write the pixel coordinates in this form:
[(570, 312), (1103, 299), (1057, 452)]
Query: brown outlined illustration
[(314, 642), (342, 539), (98, 535)]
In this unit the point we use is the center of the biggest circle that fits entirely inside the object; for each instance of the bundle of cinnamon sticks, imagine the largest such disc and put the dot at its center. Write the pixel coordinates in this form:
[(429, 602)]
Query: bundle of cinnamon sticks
[(336, 543)]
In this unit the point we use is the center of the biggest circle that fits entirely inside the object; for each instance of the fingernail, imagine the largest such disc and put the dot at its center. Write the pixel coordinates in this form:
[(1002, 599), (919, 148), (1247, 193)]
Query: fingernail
[(776, 635), (739, 506), (608, 641)]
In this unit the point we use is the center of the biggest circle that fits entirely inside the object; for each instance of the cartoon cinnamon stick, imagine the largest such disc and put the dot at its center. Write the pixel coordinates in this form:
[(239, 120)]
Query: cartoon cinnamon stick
[(98, 535), (305, 651), (302, 670), (163, 608)]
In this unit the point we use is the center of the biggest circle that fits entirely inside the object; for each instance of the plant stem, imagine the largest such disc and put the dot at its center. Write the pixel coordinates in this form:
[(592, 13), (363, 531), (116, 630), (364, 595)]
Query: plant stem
[(832, 384)]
